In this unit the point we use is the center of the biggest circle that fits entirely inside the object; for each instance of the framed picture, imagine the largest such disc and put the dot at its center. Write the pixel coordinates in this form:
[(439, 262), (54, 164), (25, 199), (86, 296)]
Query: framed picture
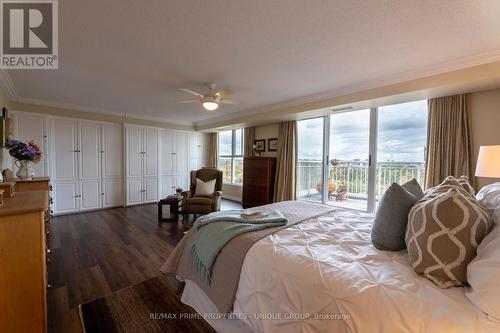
[(272, 144), (259, 145)]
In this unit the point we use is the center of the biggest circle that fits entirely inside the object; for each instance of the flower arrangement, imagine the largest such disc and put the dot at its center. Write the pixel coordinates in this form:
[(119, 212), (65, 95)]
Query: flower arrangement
[(342, 188), (24, 151)]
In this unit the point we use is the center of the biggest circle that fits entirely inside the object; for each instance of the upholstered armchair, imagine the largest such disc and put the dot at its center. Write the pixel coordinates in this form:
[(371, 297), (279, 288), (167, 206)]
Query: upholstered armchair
[(194, 204)]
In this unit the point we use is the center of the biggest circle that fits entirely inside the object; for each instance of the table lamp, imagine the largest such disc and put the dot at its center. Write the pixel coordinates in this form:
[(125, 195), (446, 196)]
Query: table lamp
[(488, 162)]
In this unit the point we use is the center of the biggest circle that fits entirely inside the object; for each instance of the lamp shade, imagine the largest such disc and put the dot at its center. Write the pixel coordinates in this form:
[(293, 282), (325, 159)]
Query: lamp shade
[(488, 162)]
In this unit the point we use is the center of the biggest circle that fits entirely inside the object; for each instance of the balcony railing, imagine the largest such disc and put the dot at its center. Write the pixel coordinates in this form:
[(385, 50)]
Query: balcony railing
[(354, 175)]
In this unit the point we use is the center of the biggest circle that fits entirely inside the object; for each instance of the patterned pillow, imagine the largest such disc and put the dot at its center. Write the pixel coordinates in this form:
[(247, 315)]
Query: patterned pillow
[(448, 183), (464, 182), (444, 230)]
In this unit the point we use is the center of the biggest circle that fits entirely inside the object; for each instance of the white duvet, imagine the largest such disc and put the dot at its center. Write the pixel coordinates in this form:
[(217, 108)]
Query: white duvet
[(324, 275)]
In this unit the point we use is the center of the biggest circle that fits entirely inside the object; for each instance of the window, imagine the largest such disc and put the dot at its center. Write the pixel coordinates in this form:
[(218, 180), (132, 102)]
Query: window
[(230, 159), (348, 159)]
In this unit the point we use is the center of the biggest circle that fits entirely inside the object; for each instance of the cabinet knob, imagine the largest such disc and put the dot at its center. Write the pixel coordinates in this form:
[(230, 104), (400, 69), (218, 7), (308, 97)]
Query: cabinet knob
[(49, 251), (49, 286), (76, 150)]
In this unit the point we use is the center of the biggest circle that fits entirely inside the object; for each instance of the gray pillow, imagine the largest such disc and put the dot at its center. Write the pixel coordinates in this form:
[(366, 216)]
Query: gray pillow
[(391, 218), (414, 188)]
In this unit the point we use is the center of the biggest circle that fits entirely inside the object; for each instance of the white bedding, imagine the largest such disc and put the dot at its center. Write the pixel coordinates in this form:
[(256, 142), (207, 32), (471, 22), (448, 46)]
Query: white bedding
[(329, 266)]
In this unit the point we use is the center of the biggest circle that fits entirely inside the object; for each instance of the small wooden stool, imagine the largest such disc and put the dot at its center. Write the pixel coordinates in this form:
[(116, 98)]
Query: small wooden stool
[(175, 203)]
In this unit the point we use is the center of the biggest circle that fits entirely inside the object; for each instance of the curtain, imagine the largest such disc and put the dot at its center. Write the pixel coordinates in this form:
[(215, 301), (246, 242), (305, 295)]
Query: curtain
[(286, 162), (449, 141), (249, 134), (213, 149)]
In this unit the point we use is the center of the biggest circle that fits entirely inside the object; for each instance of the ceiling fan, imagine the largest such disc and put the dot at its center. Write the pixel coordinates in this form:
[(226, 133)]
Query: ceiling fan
[(209, 101)]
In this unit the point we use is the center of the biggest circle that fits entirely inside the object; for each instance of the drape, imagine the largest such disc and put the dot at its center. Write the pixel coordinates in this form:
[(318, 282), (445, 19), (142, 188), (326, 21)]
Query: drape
[(213, 149), (249, 137), (449, 141), (286, 162)]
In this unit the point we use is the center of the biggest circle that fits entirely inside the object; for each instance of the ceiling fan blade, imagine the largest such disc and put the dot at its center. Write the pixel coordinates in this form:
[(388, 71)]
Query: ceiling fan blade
[(223, 92), (228, 101), (189, 91), (191, 101)]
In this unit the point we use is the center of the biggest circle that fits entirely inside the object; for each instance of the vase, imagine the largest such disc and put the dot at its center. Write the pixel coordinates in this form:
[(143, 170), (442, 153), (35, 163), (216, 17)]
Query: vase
[(25, 169)]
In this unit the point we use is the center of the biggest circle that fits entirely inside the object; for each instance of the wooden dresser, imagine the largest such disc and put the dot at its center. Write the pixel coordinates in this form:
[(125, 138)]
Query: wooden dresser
[(258, 181), (23, 276)]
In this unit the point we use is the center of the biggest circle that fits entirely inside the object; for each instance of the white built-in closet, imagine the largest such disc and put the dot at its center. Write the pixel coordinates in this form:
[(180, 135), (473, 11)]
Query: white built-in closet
[(95, 165)]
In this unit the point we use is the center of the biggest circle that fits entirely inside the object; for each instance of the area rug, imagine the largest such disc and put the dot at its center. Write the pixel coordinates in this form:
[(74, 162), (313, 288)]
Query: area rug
[(150, 306)]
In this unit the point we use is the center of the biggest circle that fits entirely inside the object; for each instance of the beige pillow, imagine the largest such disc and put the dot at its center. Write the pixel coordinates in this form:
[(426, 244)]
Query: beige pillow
[(444, 230), (204, 188)]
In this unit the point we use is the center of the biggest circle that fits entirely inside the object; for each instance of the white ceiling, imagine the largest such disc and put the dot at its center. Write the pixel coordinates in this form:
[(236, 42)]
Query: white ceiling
[(129, 56)]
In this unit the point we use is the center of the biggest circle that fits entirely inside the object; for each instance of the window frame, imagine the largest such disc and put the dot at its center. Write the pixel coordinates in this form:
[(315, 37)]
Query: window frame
[(233, 154)]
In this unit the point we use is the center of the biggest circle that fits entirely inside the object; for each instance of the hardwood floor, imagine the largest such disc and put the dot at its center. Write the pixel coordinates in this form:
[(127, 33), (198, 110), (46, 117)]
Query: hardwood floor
[(97, 253)]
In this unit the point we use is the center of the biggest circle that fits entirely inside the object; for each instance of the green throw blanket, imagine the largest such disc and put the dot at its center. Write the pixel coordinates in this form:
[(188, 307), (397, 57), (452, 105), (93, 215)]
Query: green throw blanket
[(215, 230)]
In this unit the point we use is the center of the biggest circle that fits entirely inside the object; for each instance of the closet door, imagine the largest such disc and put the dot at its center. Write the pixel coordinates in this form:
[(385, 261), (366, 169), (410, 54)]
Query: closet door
[(111, 150), (135, 191), (167, 186), (135, 151), (150, 189), (181, 153), (90, 195), (33, 128), (112, 192), (167, 156), (65, 149), (89, 148), (67, 197), (194, 151), (182, 181), (151, 152)]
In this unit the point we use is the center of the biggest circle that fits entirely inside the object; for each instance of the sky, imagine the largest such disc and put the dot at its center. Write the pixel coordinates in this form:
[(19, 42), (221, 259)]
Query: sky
[(402, 134)]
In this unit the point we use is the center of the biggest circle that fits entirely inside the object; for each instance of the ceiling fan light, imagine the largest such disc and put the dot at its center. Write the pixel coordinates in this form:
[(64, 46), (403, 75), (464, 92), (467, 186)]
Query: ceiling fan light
[(210, 106)]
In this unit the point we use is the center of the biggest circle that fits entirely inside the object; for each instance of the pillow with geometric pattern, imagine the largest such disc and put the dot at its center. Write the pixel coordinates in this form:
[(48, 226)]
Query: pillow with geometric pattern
[(444, 230)]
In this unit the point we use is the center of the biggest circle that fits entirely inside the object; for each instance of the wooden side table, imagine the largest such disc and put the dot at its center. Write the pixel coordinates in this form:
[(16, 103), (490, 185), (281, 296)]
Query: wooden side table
[(175, 203)]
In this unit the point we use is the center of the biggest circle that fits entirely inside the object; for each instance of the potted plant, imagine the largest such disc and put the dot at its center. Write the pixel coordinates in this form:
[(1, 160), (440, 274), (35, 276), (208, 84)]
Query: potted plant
[(179, 190), (342, 192), (25, 154)]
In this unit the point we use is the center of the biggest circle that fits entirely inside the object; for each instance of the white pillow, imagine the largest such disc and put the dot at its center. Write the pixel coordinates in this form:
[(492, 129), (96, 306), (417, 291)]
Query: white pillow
[(489, 198), (483, 274), (204, 188)]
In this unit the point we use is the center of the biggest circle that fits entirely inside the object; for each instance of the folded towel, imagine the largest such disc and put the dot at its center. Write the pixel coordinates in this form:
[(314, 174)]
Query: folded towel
[(215, 230)]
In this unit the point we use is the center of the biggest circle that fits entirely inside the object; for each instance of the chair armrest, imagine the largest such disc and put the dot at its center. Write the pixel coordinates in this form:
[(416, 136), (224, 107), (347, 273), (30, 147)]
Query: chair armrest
[(217, 194), (186, 195)]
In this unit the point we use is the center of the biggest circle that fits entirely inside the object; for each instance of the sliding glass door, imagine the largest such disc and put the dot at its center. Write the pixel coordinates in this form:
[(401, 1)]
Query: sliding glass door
[(401, 148), (338, 154), (348, 159), (310, 163)]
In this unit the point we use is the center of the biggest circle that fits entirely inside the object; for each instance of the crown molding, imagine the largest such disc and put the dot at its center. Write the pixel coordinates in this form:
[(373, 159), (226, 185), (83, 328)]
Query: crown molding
[(7, 85), (80, 108)]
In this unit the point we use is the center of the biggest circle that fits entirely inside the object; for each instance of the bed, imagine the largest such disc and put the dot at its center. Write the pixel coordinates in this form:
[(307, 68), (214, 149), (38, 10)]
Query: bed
[(323, 274)]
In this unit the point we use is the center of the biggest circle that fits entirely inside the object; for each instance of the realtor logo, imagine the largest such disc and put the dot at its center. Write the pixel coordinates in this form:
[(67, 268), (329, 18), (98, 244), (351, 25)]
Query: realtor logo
[(29, 37)]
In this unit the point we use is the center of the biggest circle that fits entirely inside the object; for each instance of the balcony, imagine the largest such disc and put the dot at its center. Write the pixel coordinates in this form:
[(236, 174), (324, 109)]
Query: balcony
[(353, 175)]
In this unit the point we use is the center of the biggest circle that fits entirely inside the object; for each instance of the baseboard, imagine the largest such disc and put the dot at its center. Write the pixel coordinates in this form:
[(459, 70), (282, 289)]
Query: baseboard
[(230, 197)]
